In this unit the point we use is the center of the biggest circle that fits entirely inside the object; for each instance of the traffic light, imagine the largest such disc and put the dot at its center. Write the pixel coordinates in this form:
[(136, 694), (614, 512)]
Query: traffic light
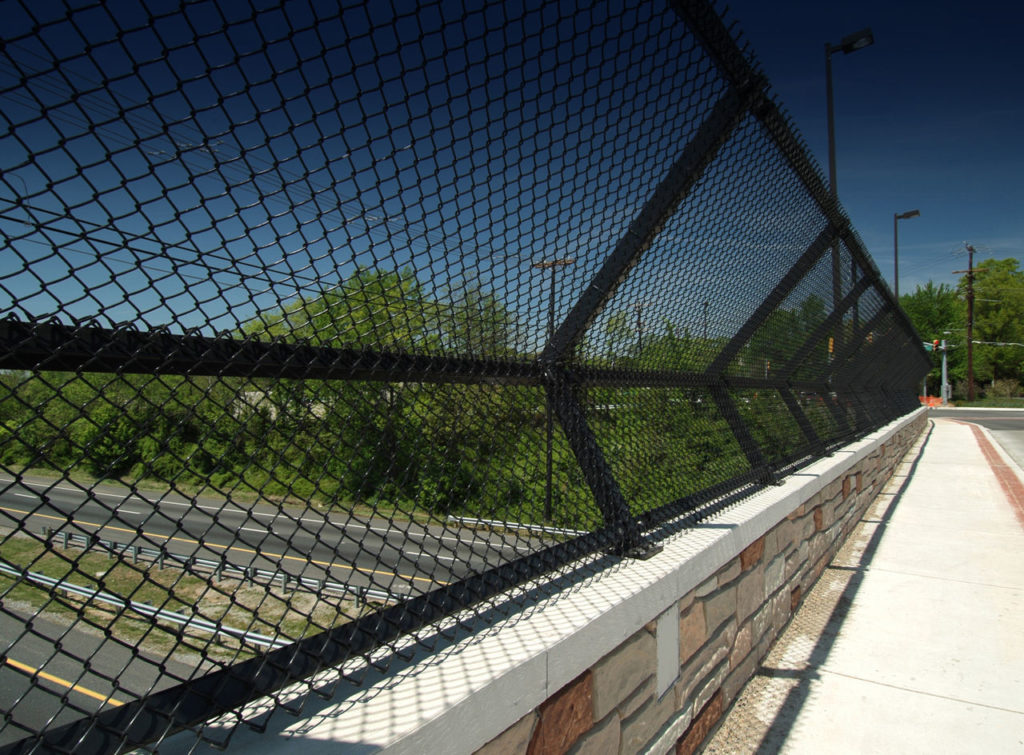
[(935, 345)]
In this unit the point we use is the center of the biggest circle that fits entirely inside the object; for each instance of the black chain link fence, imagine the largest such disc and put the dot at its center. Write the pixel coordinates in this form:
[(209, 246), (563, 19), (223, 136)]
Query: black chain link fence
[(325, 321)]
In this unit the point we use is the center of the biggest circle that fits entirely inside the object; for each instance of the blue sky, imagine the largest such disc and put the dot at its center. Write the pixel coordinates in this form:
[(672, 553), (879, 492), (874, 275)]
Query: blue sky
[(928, 118), (196, 202)]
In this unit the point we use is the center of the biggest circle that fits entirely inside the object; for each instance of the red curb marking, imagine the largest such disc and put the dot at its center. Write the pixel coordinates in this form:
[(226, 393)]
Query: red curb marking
[(1008, 479)]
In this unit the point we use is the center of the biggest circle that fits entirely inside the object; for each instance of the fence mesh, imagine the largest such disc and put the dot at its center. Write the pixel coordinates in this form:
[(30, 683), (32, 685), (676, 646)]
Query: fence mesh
[(322, 322)]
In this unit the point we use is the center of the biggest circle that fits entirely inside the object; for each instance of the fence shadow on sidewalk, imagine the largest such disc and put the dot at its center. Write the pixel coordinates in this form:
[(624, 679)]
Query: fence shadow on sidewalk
[(778, 731)]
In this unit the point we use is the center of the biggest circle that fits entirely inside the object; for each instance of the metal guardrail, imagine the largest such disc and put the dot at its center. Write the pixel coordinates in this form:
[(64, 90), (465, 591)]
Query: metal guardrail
[(158, 615), (219, 569), (530, 529), (380, 280)]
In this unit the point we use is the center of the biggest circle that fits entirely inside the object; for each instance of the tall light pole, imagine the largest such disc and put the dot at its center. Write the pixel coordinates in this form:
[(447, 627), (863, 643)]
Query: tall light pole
[(553, 266), (850, 43), (896, 246)]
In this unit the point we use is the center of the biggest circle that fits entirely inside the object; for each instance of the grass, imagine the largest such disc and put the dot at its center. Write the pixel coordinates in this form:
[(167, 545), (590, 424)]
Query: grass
[(252, 608)]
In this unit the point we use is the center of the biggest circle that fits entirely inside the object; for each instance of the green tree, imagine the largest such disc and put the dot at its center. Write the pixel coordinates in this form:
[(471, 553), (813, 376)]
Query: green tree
[(939, 312), (998, 319), (478, 324), (373, 310)]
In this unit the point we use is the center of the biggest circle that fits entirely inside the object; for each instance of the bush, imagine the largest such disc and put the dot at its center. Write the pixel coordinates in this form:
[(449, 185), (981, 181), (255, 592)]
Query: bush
[(1006, 388)]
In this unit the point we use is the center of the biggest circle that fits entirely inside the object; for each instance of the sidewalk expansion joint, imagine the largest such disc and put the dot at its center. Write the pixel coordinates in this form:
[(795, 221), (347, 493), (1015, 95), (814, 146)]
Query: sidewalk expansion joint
[(942, 578), (913, 691)]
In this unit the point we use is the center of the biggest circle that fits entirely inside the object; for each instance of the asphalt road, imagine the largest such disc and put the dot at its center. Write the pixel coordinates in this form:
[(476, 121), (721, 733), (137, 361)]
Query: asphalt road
[(1006, 426), (400, 556), (52, 674)]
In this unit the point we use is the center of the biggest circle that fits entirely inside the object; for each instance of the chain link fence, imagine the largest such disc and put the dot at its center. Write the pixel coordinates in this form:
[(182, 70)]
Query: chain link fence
[(419, 301)]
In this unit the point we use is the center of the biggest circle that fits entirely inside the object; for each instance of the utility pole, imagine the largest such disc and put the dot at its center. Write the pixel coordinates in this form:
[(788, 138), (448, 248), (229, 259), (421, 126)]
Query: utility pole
[(970, 319), (553, 266)]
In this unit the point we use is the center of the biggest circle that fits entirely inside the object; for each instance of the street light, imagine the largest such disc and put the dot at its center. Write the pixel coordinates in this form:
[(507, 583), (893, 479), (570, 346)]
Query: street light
[(896, 246), (553, 266), (850, 43)]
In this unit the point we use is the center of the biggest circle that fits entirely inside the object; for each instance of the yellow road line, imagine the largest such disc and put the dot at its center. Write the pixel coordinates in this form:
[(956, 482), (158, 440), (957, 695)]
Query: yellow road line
[(282, 556), (62, 682)]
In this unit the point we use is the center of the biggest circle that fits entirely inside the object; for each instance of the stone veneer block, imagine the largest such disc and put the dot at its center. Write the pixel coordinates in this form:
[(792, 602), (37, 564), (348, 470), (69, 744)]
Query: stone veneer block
[(707, 587), (633, 703), (692, 632), (700, 727), (752, 554), (514, 740), (603, 738), (704, 673), (622, 671), (742, 646), (729, 573), (564, 718), (719, 608), (774, 575), (739, 675), (640, 728), (750, 593)]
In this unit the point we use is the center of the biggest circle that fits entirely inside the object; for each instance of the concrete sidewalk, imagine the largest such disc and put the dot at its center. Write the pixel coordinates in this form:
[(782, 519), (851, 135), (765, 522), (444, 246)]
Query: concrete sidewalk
[(913, 639)]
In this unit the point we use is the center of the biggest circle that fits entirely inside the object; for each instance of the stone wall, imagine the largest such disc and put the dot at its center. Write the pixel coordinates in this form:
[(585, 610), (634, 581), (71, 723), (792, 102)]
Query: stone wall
[(667, 684)]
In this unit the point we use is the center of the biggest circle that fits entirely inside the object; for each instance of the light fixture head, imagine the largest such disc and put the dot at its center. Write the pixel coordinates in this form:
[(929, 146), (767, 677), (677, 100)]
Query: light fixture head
[(856, 41), (909, 214)]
